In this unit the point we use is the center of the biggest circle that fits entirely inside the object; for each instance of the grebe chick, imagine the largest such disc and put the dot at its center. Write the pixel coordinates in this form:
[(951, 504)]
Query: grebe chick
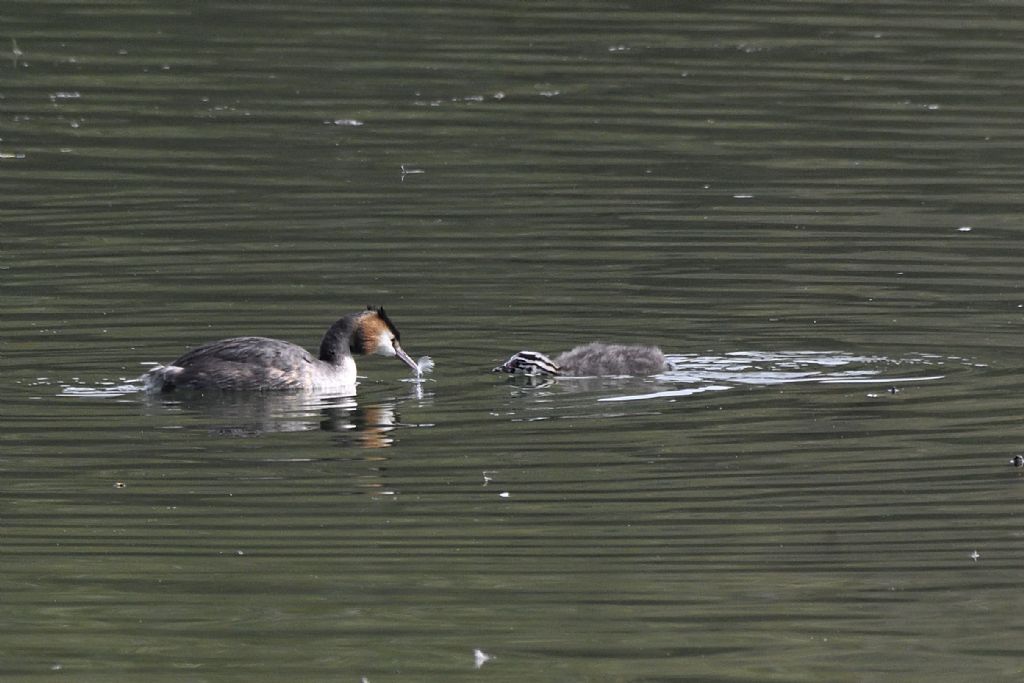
[(262, 364), (589, 360)]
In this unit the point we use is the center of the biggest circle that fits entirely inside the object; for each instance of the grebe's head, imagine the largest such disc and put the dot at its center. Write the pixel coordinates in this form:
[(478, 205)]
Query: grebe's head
[(375, 333)]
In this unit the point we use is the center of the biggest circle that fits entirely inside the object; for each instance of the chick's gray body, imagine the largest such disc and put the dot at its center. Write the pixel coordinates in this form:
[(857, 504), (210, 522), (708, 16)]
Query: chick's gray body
[(597, 358)]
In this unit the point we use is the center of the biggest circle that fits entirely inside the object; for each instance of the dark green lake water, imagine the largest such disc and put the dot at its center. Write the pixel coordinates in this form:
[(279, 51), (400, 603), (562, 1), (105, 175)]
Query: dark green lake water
[(814, 208)]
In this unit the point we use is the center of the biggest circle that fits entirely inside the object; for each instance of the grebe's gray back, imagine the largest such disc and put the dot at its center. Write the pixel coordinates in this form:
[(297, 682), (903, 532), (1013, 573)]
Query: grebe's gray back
[(263, 364), (589, 360)]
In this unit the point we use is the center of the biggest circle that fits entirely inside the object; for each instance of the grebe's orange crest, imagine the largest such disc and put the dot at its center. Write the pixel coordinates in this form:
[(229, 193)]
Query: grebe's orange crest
[(375, 333), (383, 317)]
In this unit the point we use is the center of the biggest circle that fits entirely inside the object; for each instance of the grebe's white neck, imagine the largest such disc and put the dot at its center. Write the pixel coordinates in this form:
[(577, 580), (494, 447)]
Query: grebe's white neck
[(337, 375)]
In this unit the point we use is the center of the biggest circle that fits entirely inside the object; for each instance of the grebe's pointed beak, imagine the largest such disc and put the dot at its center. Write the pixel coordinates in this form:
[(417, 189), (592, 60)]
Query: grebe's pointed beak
[(404, 357)]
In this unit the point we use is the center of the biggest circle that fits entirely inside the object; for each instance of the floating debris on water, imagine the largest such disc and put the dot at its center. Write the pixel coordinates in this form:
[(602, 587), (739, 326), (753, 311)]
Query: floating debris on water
[(480, 658), (410, 171), (424, 365)]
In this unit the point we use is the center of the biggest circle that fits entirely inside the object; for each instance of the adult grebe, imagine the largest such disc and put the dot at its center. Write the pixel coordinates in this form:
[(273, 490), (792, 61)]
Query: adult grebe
[(262, 364), (589, 360)]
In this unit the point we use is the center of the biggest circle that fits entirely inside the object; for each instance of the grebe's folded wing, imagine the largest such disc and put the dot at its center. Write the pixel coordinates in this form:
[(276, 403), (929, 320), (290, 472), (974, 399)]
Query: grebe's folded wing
[(250, 350), (256, 363)]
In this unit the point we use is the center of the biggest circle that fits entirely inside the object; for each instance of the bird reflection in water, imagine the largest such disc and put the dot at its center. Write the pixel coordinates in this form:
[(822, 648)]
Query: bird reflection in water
[(248, 414)]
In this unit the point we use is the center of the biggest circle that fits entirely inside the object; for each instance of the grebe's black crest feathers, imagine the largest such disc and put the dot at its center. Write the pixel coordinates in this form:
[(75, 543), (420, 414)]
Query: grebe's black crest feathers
[(379, 310)]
